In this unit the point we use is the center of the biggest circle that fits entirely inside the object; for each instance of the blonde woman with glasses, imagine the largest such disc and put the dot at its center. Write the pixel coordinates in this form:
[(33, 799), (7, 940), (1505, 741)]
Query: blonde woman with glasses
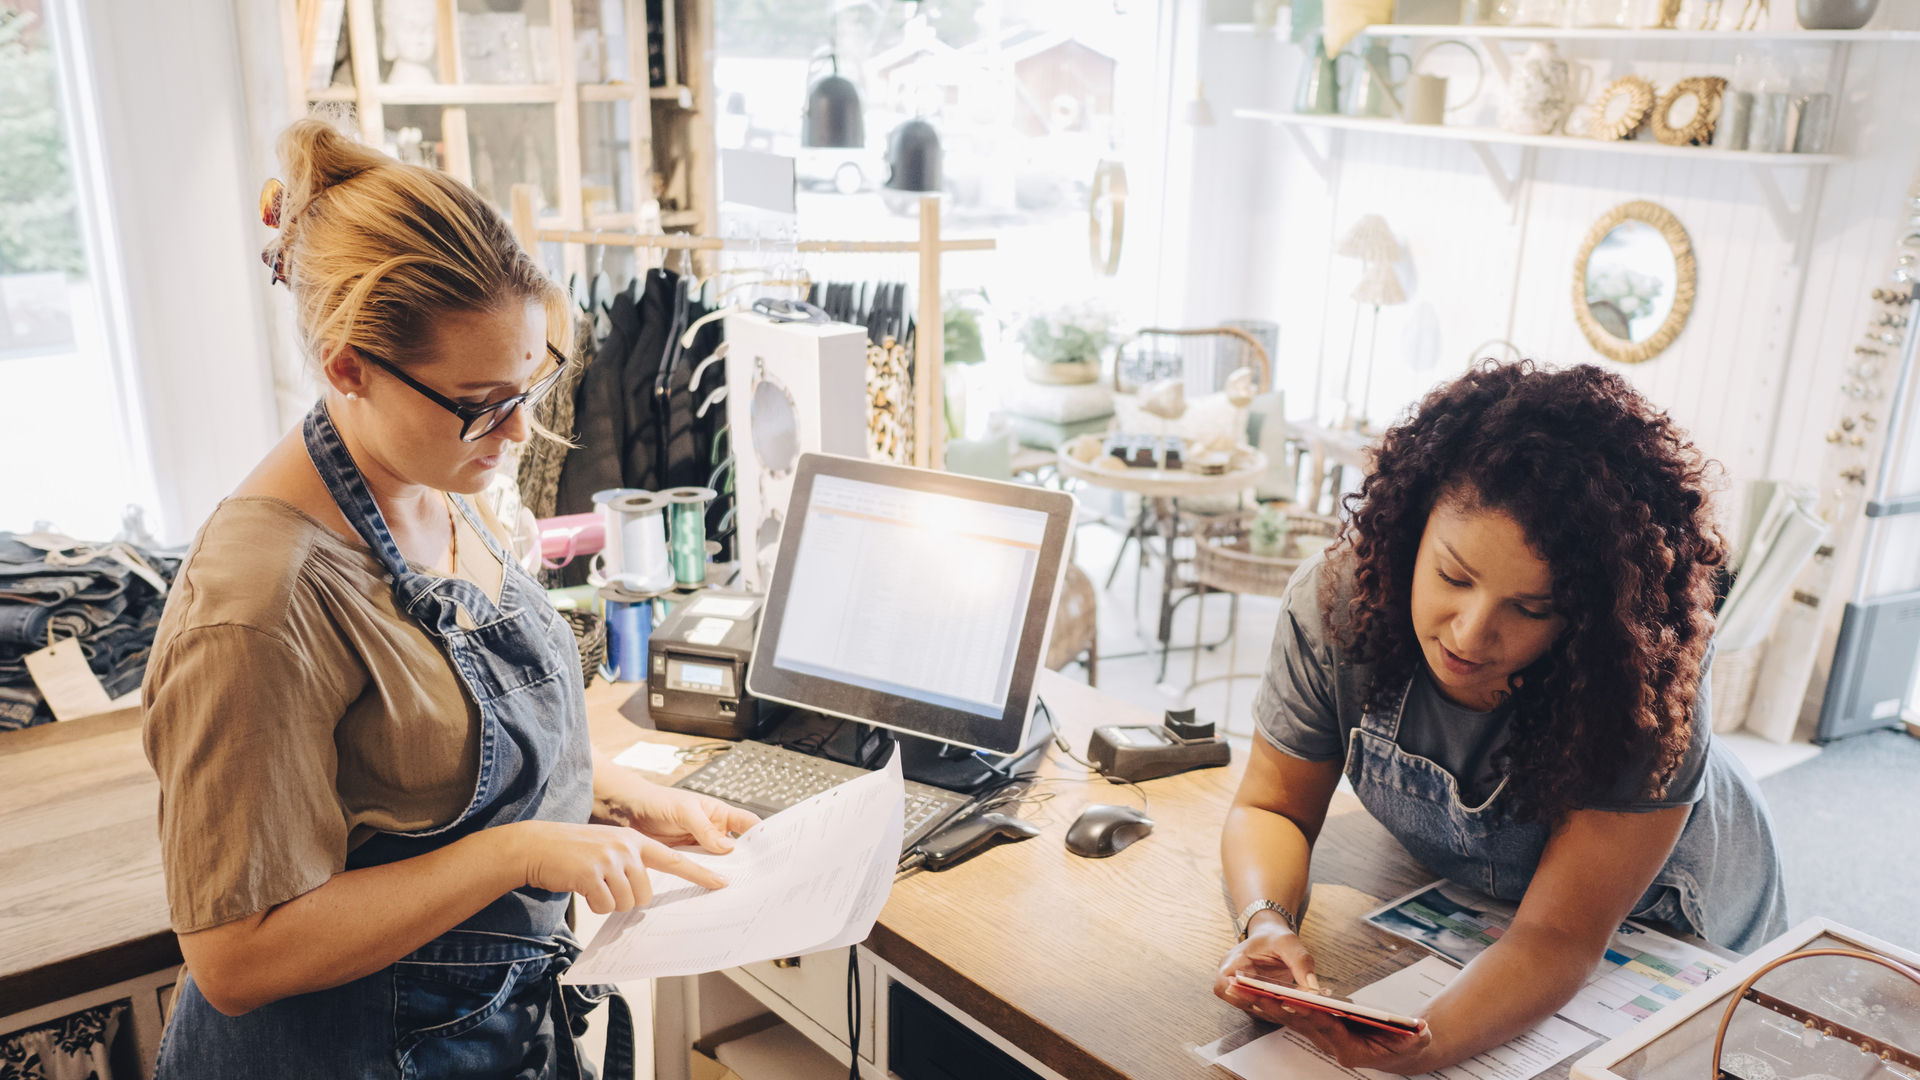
[(377, 793)]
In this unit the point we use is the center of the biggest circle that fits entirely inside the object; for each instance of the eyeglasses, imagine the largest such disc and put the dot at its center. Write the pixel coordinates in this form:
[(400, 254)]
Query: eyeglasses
[(477, 421)]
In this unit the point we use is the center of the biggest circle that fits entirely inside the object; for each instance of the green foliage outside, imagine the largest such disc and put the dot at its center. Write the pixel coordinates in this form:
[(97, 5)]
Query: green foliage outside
[(39, 226)]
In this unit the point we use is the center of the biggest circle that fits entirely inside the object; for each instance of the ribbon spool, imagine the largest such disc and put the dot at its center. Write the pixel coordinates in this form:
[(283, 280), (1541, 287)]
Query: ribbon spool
[(644, 566), (608, 564), (688, 526), (629, 625)]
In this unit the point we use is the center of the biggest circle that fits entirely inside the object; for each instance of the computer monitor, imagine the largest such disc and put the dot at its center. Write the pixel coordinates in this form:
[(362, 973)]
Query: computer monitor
[(915, 600)]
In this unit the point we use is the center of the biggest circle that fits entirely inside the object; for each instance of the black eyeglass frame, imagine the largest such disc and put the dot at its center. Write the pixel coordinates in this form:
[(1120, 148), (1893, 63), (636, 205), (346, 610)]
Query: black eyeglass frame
[(471, 414)]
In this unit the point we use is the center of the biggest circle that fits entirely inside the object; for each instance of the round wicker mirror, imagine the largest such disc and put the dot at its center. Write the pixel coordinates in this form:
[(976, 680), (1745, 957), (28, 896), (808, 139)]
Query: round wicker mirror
[(1633, 282)]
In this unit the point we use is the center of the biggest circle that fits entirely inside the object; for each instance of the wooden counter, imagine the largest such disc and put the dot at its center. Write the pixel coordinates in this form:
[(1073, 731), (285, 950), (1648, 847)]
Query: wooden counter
[(82, 901)]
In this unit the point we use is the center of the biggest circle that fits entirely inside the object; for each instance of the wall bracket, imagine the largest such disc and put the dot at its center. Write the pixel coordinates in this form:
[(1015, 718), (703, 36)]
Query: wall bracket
[(1506, 185), (1327, 163), (1789, 220)]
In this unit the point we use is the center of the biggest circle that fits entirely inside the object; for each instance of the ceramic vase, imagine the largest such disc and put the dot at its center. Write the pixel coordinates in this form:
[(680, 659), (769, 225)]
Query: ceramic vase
[(1834, 14), (1539, 93)]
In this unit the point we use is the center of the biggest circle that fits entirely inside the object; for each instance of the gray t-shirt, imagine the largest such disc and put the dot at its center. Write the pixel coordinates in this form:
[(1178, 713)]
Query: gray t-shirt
[(1311, 700)]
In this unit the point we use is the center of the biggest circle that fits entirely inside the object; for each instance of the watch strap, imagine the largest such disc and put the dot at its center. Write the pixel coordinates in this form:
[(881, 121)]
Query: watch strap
[(1247, 913)]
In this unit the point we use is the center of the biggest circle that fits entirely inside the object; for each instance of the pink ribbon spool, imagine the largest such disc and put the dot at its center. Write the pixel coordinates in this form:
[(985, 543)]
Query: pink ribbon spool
[(563, 537)]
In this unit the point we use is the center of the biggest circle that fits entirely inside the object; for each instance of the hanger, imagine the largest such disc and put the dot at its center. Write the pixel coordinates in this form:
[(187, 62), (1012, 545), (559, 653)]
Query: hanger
[(686, 339), (719, 394), (718, 355)]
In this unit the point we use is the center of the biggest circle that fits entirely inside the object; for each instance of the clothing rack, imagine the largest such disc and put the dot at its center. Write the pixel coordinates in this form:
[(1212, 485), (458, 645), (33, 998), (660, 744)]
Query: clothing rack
[(929, 449)]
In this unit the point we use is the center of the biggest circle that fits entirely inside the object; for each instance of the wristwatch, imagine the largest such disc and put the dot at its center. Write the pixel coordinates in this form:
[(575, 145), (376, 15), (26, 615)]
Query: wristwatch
[(1240, 924)]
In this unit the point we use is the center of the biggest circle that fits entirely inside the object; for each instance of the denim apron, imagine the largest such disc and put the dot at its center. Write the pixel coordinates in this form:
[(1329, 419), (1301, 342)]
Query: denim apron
[(1722, 882), (482, 999)]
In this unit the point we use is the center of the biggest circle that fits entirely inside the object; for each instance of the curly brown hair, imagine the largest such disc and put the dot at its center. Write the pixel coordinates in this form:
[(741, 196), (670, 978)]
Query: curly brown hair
[(1613, 496)]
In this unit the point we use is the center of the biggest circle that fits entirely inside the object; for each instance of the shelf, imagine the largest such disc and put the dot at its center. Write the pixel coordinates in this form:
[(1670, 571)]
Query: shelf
[(679, 219), (1556, 33), (470, 94), (681, 95), (1555, 142), (331, 93), (1786, 218), (607, 91), (1539, 33)]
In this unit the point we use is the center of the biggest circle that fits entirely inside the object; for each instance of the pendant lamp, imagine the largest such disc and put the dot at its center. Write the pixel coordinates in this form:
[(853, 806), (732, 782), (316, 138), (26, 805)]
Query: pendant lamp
[(913, 154), (834, 116)]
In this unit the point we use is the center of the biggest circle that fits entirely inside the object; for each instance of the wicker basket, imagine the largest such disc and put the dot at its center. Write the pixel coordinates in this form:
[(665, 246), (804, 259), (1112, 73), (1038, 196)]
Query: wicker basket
[(590, 633), (1222, 561)]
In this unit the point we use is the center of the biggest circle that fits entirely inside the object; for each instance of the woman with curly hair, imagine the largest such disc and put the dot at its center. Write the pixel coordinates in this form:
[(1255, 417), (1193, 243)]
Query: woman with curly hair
[(1506, 653)]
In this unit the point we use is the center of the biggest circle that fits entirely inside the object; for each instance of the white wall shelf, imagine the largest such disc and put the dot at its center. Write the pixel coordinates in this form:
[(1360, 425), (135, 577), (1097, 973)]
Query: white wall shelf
[(1557, 33), (1785, 217)]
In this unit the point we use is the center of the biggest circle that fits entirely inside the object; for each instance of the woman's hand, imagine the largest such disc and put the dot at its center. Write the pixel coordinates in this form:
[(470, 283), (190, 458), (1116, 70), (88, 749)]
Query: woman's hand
[(673, 816), (606, 864), (1275, 953)]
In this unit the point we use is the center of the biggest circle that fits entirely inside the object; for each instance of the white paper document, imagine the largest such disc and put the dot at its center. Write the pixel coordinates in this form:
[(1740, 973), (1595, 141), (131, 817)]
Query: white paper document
[(1287, 1055), (811, 877)]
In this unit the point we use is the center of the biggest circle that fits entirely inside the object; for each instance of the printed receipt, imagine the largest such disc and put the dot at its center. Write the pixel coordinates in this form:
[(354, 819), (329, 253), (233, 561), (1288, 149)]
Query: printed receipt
[(1286, 1054), (810, 878)]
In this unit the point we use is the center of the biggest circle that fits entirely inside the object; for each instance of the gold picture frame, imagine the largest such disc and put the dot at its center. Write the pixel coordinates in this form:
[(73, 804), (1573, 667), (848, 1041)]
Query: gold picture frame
[(1634, 96), (1693, 126), (1662, 220)]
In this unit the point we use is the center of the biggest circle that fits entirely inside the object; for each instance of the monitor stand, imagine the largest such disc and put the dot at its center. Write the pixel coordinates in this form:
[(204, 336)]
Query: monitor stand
[(930, 761)]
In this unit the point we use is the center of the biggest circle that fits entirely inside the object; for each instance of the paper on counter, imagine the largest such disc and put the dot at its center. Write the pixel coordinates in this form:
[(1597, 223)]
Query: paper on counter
[(1287, 1055), (650, 757), (1525, 1056), (811, 877)]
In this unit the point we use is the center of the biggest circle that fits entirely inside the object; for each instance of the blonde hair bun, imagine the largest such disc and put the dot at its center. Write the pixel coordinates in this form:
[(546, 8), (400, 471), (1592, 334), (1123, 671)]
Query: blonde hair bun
[(376, 251)]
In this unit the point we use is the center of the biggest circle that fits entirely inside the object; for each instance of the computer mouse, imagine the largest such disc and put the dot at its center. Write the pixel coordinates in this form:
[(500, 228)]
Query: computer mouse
[(1104, 830)]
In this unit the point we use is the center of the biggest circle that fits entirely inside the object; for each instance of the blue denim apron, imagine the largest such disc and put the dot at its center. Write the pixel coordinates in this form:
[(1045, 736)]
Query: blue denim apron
[(1722, 881), (482, 999)]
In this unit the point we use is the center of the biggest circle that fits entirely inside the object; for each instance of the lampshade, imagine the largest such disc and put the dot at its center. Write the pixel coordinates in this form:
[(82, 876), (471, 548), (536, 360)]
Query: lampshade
[(834, 116), (1380, 285), (1371, 241), (913, 154)]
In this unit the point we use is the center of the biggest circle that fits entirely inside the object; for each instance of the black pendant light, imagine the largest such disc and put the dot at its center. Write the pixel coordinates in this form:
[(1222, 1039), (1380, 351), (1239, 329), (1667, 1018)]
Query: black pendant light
[(834, 116), (913, 153)]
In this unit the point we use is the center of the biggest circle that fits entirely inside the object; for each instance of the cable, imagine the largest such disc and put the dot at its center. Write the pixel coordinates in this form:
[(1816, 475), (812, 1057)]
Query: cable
[(1060, 742), (853, 1012)]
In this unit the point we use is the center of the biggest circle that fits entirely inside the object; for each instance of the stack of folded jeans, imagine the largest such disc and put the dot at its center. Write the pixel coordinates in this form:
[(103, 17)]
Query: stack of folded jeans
[(102, 594)]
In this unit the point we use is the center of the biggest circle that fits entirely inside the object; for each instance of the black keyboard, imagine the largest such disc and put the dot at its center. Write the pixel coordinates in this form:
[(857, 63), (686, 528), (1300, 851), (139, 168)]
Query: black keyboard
[(768, 779)]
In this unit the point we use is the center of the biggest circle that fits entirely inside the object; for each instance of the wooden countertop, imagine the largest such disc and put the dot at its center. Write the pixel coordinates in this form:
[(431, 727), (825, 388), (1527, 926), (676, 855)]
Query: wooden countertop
[(1099, 968), (82, 901)]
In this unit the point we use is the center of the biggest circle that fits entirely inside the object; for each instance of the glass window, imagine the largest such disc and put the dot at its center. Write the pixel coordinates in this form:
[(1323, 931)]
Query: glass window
[(606, 158), (73, 463), (503, 43), (513, 144), (600, 49)]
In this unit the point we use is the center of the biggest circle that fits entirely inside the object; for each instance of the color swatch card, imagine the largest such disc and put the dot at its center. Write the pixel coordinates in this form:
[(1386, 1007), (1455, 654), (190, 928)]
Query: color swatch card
[(1641, 972)]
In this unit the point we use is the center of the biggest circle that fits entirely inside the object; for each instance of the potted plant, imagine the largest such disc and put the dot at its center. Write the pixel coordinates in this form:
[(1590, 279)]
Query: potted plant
[(1063, 345)]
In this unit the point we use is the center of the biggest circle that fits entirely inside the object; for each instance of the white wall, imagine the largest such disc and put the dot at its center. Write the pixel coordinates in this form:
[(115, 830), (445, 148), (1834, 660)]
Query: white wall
[(182, 199)]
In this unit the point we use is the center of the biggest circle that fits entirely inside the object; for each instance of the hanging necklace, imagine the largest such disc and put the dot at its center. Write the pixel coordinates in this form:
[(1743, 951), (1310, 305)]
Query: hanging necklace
[(453, 539)]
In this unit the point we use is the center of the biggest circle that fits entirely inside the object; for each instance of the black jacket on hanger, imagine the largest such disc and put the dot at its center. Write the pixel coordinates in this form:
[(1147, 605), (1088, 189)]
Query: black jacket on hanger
[(640, 447), (599, 419)]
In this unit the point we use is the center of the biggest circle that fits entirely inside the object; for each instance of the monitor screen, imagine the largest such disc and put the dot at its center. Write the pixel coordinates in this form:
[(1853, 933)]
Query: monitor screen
[(909, 592), (912, 599)]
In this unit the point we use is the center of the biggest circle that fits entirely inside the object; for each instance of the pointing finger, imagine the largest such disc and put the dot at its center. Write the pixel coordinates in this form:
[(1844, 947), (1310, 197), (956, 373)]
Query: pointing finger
[(668, 861)]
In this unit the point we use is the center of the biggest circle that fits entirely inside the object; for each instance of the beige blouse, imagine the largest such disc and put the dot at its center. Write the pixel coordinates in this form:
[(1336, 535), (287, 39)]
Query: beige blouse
[(291, 710)]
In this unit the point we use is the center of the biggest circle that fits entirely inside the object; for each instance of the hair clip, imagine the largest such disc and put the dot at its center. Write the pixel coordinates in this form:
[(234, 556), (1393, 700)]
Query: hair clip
[(273, 196), (276, 259)]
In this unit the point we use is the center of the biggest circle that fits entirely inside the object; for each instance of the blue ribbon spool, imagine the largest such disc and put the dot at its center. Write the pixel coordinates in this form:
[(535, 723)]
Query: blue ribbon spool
[(629, 625)]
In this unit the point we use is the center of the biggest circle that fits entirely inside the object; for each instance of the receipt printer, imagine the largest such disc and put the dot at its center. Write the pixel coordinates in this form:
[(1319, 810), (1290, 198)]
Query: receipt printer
[(697, 666)]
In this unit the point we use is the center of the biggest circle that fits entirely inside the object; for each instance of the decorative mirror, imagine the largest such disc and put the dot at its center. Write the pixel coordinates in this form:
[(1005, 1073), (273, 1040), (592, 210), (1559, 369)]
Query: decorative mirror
[(1633, 282), (1621, 108), (1685, 117)]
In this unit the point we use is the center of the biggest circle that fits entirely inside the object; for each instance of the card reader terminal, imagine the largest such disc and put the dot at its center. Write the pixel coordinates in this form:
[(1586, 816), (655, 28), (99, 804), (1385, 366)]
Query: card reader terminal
[(697, 666)]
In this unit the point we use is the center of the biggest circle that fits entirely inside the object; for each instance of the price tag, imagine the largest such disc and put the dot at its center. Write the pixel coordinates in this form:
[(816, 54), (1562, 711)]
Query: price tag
[(72, 690)]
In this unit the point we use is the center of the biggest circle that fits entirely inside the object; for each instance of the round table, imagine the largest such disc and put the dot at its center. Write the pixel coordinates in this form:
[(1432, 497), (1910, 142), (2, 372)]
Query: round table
[(1162, 490)]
